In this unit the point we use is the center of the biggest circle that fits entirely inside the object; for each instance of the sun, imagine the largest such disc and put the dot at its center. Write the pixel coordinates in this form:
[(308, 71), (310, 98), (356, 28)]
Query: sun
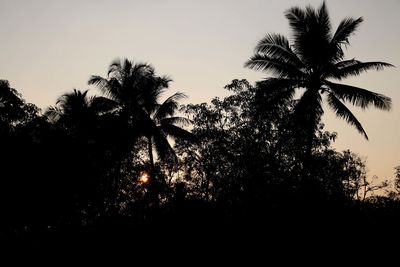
[(144, 178)]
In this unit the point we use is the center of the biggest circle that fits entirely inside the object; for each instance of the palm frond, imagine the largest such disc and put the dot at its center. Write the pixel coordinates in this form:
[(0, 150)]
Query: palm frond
[(108, 87), (101, 104), (154, 87), (345, 70), (346, 63), (162, 147), (297, 19), (343, 112), (275, 66), (360, 97), (345, 29), (53, 114), (176, 132), (176, 121), (142, 69), (277, 46), (126, 67), (272, 92), (164, 81), (115, 67), (100, 82), (324, 22), (169, 106)]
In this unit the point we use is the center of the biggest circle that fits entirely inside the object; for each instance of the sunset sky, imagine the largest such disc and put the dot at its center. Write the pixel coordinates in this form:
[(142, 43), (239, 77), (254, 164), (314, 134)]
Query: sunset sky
[(49, 47)]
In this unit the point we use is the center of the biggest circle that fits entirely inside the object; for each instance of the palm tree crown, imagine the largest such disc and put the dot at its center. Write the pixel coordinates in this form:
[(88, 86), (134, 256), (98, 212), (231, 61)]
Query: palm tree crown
[(137, 89), (310, 60), (77, 108), (133, 85)]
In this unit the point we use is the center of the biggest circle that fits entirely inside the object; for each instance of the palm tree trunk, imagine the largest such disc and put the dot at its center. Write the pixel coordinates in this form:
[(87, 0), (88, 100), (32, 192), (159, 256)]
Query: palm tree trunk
[(153, 187), (150, 151), (312, 189), (312, 125), (307, 182), (308, 152), (312, 121)]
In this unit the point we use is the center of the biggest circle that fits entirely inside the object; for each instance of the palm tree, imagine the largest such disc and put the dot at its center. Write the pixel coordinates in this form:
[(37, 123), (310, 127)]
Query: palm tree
[(87, 121), (137, 90), (310, 60)]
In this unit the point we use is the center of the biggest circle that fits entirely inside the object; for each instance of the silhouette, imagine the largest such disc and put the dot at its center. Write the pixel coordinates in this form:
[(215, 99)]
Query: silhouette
[(137, 89), (314, 58), (101, 172), (87, 123), (310, 62), (13, 109), (77, 108), (163, 125)]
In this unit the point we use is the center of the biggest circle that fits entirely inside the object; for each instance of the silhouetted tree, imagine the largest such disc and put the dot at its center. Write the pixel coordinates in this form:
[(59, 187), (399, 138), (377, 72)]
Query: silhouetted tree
[(228, 140), (137, 89), (134, 86), (245, 162), (310, 61), (105, 164), (92, 129), (160, 124), (164, 124), (397, 178), (76, 109), (13, 109)]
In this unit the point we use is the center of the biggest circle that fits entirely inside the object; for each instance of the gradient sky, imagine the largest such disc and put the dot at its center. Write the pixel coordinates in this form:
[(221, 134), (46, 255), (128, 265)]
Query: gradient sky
[(49, 47)]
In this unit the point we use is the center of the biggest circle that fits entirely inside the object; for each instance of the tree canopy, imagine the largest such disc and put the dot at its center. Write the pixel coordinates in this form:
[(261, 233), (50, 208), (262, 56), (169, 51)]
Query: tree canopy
[(134, 161)]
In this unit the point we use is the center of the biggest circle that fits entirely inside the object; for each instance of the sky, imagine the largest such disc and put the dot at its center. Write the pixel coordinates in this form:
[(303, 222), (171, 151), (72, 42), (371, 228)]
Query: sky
[(49, 47)]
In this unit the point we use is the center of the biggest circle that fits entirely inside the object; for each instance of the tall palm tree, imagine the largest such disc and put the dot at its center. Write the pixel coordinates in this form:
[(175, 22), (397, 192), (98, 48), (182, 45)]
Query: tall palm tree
[(137, 90), (311, 60)]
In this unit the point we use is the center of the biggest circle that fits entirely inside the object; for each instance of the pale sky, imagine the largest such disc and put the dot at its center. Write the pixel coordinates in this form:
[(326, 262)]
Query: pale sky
[(49, 47)]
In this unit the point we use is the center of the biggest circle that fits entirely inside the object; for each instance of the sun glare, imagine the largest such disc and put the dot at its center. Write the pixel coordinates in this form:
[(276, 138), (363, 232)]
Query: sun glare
[(144, 178)]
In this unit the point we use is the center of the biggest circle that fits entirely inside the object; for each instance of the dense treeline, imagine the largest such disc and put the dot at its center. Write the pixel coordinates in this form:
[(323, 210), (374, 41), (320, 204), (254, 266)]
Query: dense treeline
[(258, 156)]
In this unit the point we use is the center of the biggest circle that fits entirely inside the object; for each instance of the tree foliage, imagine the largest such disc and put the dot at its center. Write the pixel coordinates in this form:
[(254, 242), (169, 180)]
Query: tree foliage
[(258, 156)]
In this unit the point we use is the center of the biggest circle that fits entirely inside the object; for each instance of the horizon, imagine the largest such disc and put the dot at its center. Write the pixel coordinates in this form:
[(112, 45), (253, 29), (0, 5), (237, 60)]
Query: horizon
[(202, 46)]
